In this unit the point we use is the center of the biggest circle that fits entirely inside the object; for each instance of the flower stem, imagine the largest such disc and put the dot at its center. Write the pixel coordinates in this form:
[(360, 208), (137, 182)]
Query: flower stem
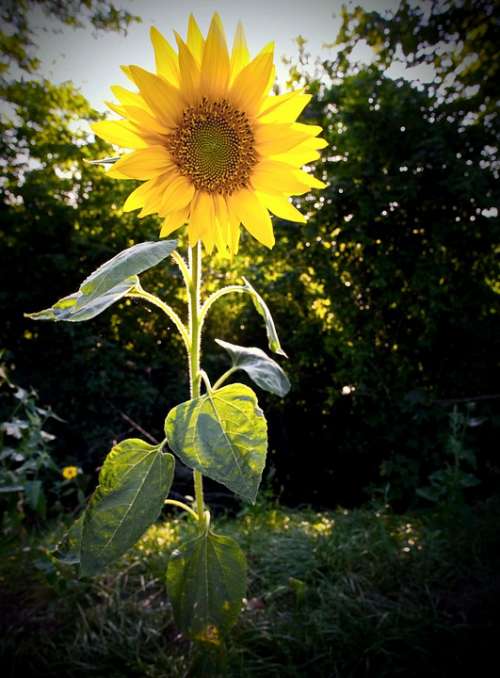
[(194, 353)]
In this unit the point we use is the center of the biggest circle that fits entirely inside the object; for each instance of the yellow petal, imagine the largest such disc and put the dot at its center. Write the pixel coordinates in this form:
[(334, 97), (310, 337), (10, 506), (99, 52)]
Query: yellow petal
[(173, 221), (195, 39), (162, 98), (165, 58), (128, 73), (272, 176), (146, 163), (253, 215), (271, 139), (145, 120), (201, 218), (298, 156), (189, 73), (118, 132), (284, 107), (153, 198), (138, 197), (250, 85), (234, 230), (221, 224), (240, 56), (309, 130), (115, 108), (281, 207), (177, 195), (214, 77), (128, 98), (308, 179)]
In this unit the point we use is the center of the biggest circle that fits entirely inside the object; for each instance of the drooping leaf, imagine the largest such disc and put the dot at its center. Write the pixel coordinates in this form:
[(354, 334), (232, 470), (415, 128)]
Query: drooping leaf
[(133, 483), (263, 310), (132, 261), (206, 582), (223, 434), (262, 369), (107, 284), (78, 307)]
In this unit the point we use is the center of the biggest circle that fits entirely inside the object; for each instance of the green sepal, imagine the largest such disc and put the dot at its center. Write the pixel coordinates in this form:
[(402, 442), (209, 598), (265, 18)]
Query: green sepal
[(262, 369), (263, 310), (109, 283), (206, 583), (134, 482), (223, 434)]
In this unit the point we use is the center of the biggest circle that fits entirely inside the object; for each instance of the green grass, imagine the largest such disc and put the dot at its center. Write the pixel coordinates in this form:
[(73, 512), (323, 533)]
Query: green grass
[(339, 594)]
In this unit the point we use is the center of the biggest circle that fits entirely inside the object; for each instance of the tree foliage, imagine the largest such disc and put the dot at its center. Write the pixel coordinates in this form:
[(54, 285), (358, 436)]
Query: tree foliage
[(387, 300)]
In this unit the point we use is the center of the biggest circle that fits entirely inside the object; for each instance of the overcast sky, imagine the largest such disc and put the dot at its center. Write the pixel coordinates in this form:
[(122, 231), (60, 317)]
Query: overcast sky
[(93, 62)]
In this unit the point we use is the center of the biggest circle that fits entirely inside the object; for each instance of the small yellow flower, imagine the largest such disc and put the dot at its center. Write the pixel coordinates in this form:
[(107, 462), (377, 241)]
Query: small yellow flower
[(70, 472), (213, 148)]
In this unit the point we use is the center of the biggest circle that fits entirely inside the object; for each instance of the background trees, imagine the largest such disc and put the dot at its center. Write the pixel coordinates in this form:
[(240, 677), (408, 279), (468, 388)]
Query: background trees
[(386, 301)]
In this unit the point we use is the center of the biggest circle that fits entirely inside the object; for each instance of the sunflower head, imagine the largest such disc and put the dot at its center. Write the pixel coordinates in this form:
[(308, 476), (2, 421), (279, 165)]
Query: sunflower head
[(213, 148)]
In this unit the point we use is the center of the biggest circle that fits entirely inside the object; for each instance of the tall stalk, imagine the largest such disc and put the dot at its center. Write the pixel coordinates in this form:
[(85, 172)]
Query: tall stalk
[(194, 330)]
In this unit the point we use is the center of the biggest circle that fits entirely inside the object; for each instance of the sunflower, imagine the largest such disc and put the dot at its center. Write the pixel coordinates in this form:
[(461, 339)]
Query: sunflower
[(213, 148)]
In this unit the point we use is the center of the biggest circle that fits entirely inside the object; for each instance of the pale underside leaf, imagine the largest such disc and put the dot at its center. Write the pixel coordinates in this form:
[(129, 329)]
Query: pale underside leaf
[(78, 307), (109, 283), (262, 369), (263, 310)]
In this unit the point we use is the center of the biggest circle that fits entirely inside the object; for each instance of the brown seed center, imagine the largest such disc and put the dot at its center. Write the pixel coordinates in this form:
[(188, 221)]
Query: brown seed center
[(214, 146)]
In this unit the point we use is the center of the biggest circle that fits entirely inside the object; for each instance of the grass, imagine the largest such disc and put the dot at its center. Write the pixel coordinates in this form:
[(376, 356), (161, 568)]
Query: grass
[(334, 594)]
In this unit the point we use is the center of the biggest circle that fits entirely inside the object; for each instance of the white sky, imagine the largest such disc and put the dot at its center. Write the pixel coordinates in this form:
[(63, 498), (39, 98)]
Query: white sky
[(93, 62)]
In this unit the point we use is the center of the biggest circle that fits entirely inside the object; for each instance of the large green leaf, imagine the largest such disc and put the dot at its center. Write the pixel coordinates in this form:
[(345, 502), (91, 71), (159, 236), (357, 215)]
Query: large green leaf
[(263, 310), (78, 306), (109, 283), (262, 369), (132, 261), (206, 582), (133, 483), (223, 434)]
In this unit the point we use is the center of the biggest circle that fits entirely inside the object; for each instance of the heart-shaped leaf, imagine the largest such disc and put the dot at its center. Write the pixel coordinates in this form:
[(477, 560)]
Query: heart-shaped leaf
[(133, 483), (223, 434), (206, 582)]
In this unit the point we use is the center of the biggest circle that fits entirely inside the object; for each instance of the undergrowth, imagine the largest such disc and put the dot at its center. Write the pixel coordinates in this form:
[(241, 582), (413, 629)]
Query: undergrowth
[(335, 595)]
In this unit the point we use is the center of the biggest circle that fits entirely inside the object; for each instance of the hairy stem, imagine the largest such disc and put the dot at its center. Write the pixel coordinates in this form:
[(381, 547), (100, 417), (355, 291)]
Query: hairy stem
[(182, 505), (140, 293), (194, 352)]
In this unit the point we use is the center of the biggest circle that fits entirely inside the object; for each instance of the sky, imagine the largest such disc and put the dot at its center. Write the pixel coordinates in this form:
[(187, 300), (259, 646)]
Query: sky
[(93, 62)]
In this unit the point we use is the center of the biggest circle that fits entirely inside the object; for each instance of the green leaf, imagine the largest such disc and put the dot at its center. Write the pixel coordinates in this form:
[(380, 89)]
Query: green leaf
[(78, 307), (263, 310), (132, 261), (109, 283), (223, 434), (206, 582), (133, 483), (264, 371)]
